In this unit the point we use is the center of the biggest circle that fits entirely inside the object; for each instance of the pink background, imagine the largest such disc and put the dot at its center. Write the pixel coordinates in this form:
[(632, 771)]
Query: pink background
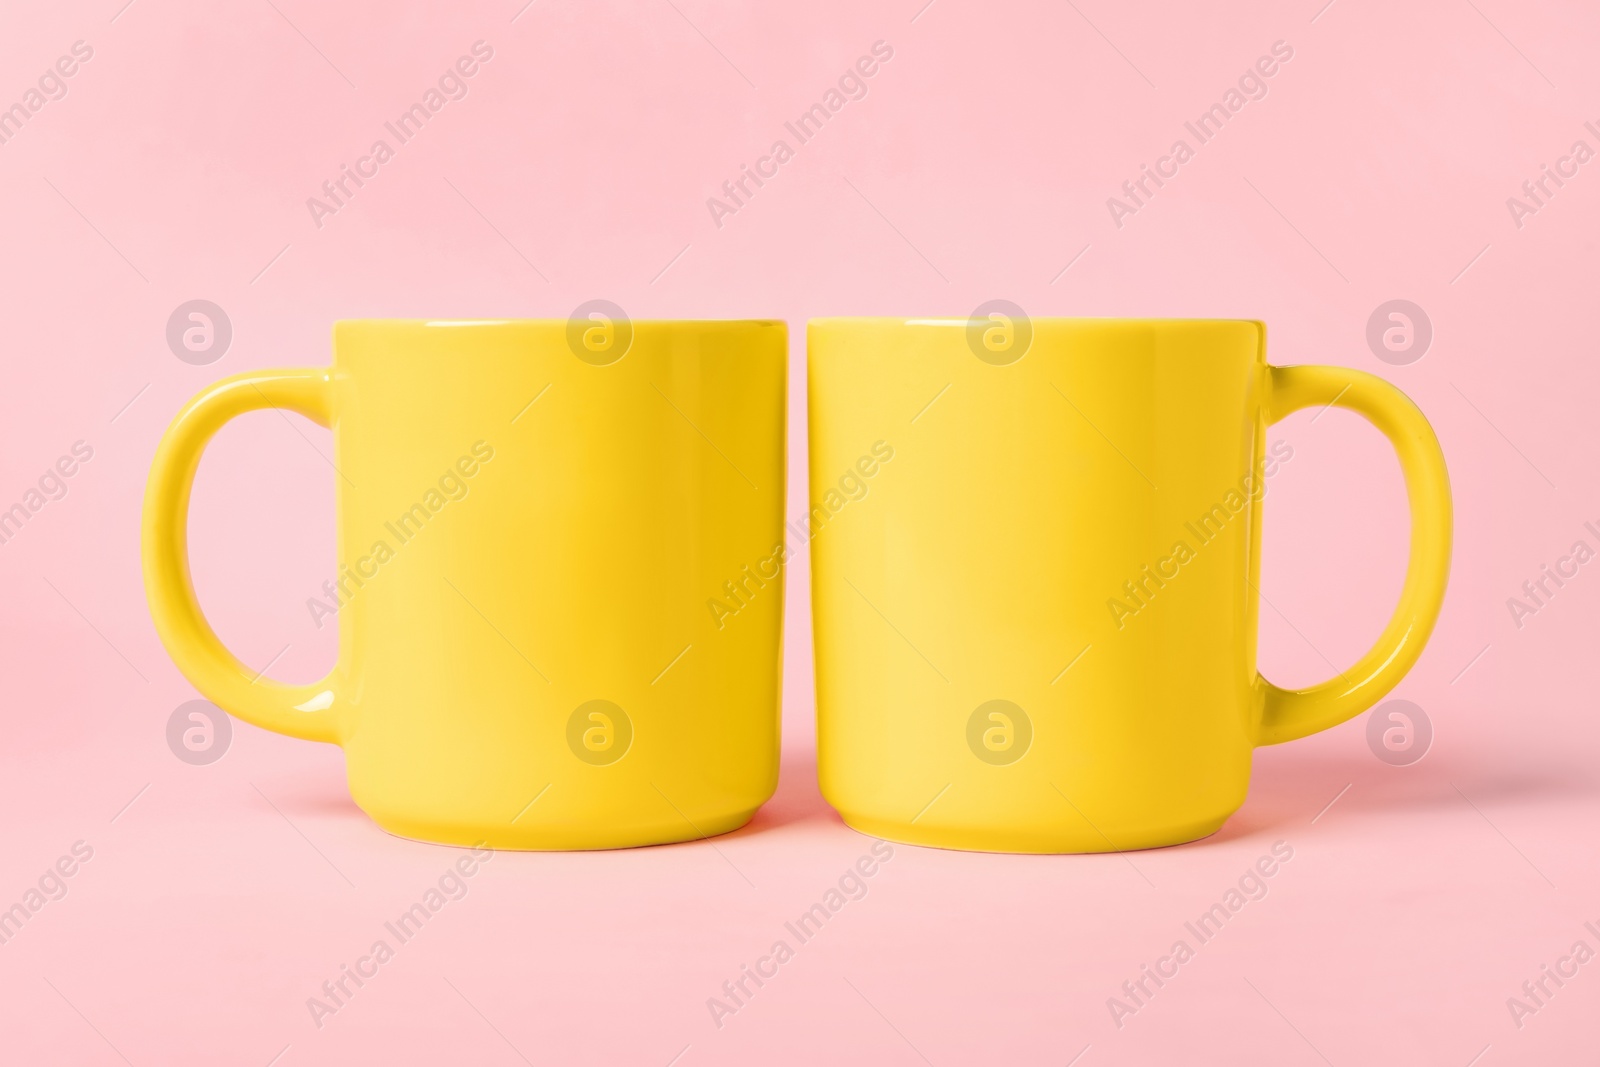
[(978, 166)]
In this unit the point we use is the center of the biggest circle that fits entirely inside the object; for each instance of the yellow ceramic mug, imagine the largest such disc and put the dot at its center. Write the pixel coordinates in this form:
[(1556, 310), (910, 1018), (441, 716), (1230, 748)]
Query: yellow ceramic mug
[(532, 516), (1036, 621)]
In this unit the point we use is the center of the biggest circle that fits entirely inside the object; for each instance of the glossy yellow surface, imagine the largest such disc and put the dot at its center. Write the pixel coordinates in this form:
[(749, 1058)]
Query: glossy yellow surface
[(528, 543), (977, 686)]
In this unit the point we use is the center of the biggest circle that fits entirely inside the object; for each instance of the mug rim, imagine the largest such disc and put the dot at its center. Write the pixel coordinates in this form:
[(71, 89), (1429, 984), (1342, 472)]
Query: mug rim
[(966, 320), (559, 323)]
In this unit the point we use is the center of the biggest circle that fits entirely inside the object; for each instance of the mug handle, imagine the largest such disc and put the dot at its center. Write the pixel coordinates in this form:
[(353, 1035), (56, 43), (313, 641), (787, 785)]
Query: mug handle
[(309, 711), (1289, 714)]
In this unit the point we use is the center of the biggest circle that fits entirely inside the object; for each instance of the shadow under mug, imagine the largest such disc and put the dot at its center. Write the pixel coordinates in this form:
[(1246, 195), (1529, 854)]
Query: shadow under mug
[(531, 519), (1035, 623)]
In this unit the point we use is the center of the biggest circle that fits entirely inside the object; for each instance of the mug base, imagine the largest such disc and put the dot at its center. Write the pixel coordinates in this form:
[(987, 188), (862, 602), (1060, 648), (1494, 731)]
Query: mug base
[(559, 838), (1043, 840)]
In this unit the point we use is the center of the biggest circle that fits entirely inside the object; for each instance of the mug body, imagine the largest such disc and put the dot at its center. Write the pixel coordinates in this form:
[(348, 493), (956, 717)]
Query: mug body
[(531, 522), (1035, 624)]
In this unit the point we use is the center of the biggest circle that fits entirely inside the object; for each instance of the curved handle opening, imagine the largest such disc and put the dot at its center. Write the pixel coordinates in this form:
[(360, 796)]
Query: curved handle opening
[(309, 711), (1287, 714)]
